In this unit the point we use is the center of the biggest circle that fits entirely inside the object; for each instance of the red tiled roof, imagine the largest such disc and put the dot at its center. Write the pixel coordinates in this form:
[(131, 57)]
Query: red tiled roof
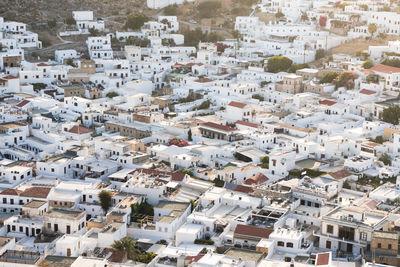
[(367, 92), (237, 104), (9, 77), (249, 124), (22, 103), (43, 64), (11, 192), (256, 179), (384, 68), (191, 64), (80, 130), (177, 65), (327, 102), (338, 175), (249, 230), (36, 192), (218, 126), (323, 259), (175, 176), (203, 80), (243, 189)]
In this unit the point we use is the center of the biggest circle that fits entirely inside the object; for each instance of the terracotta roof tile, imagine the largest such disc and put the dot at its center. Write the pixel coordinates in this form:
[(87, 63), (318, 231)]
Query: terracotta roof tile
[(175, 176), (367, 92), (327, 102), (203, 80), (323, 259), (36, 192), (384, 69), (254, 231), (338, 175), (256, 179), (80, 130), (9, 77), (237, 104), (23, 103), (11, 192), (218, 126), (249, 124), (42, 64)]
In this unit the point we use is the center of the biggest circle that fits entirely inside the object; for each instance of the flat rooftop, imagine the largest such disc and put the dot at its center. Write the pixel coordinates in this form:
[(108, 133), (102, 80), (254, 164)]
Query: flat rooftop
[(34, 204), (244, 254)]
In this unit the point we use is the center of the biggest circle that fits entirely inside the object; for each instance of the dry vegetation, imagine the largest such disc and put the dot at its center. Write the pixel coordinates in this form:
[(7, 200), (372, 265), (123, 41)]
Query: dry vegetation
[(360, 44)]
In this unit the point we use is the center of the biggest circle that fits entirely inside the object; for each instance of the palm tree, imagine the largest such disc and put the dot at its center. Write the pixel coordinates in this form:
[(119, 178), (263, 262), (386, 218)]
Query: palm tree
[(126, 245)]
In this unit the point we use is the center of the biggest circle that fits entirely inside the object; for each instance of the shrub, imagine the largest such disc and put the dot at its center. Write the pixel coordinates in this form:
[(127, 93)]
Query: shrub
[(135, 21), (203, 242), (171, 10), (208, 9), (258, 97), (320, 54), (368, 64), (111, 94), (178, 142)]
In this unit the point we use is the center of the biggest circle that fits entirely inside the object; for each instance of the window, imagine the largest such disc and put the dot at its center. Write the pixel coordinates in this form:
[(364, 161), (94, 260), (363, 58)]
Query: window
[(363, 236), (329, 229), (379, 245), (281, 244), (328, 244), (289, 244), (390, 246)]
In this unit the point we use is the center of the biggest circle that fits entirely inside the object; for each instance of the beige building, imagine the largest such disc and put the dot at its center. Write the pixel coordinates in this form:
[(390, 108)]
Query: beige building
[(292, 84)]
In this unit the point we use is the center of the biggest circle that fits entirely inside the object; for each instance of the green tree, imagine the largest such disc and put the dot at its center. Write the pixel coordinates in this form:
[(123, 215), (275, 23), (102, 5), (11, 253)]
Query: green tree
[(190, 138), (345, 79), (94, 32), (368, 64), (70, 20), (391, 115), (346, 185), (379, 139), (320, 53), (135, 21), (105, 200), (385, 158), (142, 208), (279, 63), (265, 162), (128, 246), (372, 28), (329, 77)]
